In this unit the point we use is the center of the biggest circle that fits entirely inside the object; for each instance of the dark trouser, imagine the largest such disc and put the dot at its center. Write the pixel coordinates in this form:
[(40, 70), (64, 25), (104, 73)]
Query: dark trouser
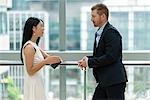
[(114, 92)]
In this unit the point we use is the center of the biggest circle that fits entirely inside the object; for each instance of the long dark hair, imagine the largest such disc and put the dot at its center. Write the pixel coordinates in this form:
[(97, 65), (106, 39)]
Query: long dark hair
[(27, 32)]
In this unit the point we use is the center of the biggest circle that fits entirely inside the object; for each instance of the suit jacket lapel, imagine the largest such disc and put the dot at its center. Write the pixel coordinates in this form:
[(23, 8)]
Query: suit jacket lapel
[(94, 48), (102, 34)]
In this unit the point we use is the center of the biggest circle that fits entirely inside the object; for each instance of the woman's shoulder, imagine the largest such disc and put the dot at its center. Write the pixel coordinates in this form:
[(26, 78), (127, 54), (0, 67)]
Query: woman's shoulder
[(29, 48), (29, 44)]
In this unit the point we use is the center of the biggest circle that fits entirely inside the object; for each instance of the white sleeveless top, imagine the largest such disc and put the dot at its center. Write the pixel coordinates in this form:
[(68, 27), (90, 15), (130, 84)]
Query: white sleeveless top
[(34, 85)]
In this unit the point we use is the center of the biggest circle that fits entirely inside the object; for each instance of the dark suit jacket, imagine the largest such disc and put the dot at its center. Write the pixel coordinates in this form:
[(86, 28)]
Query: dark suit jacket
[(106, 61)]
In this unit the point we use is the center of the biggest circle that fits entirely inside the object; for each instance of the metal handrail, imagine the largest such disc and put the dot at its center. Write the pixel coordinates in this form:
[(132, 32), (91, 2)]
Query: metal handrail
[(6, 62)]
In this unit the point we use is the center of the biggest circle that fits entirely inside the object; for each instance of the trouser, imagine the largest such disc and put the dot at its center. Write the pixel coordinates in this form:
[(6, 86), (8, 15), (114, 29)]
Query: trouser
[(113, 92)]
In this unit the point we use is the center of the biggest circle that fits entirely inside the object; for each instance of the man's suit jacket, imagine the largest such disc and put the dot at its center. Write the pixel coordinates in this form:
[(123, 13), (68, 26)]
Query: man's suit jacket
[(106, 61)]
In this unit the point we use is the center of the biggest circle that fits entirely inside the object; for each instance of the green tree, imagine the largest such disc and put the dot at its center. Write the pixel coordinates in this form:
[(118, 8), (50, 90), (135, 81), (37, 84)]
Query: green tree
[(13, 92)]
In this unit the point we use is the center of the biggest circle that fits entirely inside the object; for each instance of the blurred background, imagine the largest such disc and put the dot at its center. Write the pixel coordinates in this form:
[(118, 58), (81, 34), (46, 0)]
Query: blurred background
[(69, 33)]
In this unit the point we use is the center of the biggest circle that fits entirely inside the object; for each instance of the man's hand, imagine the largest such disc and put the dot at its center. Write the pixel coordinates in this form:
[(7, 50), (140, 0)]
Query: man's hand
[(82, 63)]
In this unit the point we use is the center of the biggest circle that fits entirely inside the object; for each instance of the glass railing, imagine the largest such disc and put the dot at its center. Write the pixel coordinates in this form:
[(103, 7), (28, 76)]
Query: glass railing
[(73, 83)]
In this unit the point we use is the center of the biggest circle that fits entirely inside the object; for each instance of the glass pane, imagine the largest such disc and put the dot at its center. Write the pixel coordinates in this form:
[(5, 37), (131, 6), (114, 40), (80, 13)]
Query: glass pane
[(18, 14), (138, 86), (53, 83), (120, 21), (79, 28), (74, 88), (141, 30)]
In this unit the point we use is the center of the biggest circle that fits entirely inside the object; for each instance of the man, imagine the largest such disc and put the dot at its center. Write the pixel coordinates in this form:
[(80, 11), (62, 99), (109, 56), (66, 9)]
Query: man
[(106, 61)]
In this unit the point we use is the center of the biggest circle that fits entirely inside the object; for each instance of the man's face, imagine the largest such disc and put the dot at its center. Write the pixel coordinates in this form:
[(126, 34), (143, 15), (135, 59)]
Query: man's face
[(96, 18)]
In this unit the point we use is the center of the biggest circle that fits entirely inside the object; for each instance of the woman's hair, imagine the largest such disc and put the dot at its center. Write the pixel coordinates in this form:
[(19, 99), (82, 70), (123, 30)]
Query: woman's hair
[(27, 31)]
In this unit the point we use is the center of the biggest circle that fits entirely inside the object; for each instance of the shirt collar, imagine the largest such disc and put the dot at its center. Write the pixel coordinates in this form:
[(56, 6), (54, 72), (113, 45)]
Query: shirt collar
[(100, 29), (103, 26)]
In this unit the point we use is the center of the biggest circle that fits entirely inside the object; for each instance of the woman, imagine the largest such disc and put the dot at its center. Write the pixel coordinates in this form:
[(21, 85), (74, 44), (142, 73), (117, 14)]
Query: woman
[(34, 59)]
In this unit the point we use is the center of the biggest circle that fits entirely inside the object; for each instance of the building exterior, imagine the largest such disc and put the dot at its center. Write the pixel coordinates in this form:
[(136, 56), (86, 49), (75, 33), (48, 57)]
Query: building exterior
[(130, 17)]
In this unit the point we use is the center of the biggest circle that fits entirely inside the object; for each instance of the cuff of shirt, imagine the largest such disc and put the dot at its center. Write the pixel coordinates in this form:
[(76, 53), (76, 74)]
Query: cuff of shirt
[(86, 60)]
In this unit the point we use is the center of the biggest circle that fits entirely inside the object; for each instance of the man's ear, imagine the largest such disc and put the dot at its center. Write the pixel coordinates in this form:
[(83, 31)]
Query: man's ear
[(103, 15)]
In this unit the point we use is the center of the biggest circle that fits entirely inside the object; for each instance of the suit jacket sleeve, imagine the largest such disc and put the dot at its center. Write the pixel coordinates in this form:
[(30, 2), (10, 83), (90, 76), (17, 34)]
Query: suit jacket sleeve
[(112, 50)]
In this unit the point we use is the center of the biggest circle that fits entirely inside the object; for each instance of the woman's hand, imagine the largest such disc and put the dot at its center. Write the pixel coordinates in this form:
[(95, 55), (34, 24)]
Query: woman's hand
[(52, 59)]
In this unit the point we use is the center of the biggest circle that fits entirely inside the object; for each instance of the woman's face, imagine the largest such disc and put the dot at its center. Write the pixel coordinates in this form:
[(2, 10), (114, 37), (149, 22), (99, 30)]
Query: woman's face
[(39, 29)]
